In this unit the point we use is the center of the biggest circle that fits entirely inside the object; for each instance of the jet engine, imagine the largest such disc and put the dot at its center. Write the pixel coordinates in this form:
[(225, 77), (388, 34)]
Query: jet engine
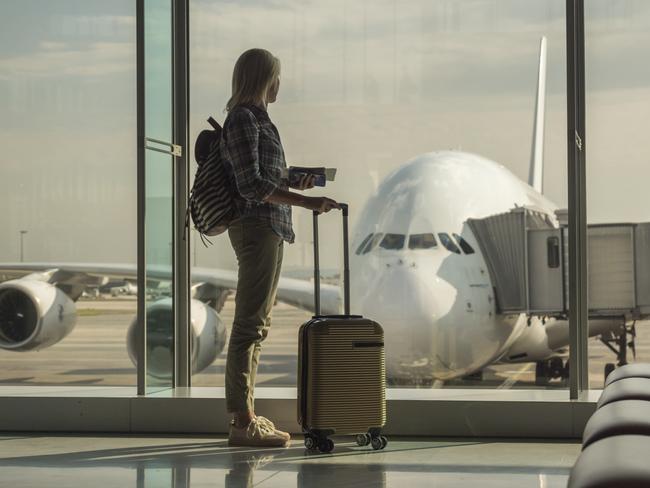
[(208, 337), (34, 315)]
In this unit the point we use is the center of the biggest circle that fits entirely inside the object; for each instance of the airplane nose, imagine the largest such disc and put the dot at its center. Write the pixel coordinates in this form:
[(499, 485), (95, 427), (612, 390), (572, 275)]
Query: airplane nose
[(404, 304)]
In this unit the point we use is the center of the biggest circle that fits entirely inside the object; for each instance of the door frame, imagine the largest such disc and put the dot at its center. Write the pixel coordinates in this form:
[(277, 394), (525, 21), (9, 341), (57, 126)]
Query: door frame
[(181, 373)]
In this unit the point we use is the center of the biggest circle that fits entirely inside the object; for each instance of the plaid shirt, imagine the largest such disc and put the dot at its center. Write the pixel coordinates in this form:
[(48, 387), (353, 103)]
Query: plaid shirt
[(252, 146)]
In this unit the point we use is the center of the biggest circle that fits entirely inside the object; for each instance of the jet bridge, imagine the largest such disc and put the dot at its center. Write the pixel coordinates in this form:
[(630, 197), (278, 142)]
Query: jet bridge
[(527, 254)]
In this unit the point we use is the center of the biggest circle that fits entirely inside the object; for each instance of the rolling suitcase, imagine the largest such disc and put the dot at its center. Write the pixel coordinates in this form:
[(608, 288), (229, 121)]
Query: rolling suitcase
[(341, 369)]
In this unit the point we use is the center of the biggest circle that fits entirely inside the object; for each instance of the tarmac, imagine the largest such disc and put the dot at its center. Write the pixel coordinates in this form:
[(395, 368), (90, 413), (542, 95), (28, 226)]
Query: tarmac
[(95, 354)]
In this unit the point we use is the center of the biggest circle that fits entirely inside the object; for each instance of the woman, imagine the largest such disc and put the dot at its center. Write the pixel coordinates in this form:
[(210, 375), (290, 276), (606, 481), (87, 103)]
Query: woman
[(251, 143)]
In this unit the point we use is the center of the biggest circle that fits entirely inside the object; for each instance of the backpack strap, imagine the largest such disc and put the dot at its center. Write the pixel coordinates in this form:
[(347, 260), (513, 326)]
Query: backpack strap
[(214, 124), (206, 140)]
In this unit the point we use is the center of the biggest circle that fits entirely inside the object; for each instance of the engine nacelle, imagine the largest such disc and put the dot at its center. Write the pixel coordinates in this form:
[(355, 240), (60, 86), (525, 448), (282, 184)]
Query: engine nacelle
[(208, 337), (34, 315)]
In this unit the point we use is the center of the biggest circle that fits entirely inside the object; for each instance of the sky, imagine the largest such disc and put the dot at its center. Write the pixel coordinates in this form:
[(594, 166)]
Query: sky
[(365, 86)]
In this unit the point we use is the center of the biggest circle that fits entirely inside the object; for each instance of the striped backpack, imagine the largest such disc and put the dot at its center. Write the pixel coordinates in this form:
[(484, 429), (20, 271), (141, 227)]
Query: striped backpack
[(211, 198)]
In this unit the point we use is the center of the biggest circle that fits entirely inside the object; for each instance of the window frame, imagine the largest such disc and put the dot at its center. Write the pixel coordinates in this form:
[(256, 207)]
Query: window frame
[(579, 402)]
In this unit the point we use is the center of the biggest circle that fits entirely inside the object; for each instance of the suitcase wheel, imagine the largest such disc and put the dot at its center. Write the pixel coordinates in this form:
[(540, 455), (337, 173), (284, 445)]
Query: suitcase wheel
[(311, 442), (326, 445), (363, 439), (379, 442)]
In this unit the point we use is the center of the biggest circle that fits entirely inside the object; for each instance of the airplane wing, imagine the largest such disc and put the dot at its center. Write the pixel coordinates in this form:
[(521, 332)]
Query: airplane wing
[(299, 293)]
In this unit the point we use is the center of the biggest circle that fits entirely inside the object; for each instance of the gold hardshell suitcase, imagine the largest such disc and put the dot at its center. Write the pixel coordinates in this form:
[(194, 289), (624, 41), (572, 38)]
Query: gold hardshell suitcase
[(341, 370)]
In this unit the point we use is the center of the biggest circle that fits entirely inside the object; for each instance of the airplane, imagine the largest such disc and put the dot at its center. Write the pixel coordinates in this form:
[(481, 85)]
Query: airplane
[(417, 270), (119, 288)]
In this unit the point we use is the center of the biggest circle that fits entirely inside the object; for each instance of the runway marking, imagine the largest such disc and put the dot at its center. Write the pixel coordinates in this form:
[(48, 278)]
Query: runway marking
[(511, 380)]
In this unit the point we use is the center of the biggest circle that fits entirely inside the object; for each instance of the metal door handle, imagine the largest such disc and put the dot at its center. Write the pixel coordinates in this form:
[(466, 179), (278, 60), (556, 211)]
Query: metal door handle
[(174, 149)]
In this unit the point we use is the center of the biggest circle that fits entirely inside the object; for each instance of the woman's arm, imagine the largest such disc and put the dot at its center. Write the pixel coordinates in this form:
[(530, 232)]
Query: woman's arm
[(242, 147), (320, 204)]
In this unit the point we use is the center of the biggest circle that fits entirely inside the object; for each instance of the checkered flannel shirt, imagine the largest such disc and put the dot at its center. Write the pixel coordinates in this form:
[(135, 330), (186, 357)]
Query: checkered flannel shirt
[(251, 144)]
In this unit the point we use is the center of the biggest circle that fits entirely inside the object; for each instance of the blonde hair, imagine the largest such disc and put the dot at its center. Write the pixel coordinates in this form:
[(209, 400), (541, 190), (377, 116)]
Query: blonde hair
[(254, 73)]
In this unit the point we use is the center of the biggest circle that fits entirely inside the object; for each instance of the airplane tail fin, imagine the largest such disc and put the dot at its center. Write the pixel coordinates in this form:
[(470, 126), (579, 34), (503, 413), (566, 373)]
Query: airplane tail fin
[(536, 173)]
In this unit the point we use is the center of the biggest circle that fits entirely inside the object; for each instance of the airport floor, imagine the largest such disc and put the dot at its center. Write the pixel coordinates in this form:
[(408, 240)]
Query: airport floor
[(104, 461)]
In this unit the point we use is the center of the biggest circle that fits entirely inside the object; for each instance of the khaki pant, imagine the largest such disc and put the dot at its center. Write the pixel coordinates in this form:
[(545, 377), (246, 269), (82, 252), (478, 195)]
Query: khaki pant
[(259, 254)]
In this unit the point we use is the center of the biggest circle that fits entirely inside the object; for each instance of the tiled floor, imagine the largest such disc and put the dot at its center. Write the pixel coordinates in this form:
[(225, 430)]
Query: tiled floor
[(166, 462)]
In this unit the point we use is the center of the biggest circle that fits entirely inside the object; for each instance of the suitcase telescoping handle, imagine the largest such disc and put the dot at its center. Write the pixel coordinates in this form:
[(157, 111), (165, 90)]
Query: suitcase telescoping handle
[(346, 263)]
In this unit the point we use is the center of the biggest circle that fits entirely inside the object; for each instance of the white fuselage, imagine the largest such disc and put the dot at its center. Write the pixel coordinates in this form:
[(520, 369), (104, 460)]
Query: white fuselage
[(437, 307)]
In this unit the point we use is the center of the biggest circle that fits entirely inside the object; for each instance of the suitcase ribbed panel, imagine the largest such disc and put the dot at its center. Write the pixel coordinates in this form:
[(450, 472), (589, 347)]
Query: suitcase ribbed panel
[(345, 378)]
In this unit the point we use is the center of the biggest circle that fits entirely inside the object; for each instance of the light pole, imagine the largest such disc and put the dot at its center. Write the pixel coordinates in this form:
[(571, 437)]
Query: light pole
[(22, 234)]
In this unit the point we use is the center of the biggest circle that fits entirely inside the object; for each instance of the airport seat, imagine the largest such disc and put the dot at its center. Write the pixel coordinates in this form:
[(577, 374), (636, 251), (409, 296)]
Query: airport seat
[(634, 370), (618, 418), (620, 461), (625, 389)]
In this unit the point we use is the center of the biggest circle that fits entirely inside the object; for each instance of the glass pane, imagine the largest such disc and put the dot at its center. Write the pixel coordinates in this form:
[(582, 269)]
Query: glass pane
[(448, 243), (376, 239), (422, 241), (467, 249), (427, 111), (159, 196), (363, 244), (617, 107), (159, 258), (67, 190), (393, 241), (158, 69)]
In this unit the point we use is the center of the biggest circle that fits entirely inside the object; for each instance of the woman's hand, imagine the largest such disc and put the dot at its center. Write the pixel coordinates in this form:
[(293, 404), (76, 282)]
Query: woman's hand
[(306, 182), (320, 204)]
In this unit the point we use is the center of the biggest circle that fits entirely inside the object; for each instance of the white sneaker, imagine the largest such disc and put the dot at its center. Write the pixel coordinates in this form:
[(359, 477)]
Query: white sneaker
[(266, 421), (257, 434)]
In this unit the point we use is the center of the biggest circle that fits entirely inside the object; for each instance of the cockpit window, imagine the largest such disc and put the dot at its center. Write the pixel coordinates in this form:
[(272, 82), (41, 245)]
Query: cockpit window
[(393, 241), (448, 242), (363, 244), (422, 241), (372, 243), (464, 245)]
